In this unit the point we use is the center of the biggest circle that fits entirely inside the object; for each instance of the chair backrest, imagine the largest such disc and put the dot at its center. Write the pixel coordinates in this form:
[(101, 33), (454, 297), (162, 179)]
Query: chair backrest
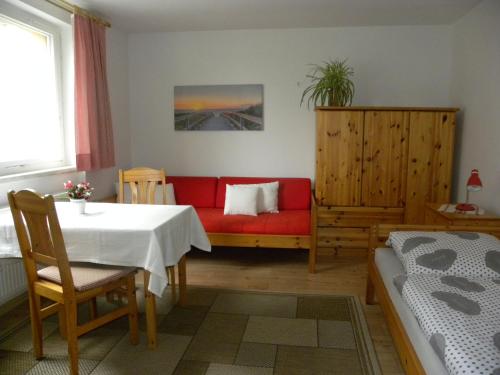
[(143, 183), (37, 216)]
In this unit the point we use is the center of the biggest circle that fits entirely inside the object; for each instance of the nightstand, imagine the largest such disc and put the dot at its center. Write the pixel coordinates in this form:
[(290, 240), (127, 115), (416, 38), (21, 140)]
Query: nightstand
[(436, 217)]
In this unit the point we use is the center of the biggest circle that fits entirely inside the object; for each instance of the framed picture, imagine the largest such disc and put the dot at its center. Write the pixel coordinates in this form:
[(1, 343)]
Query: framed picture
[(219, 107)]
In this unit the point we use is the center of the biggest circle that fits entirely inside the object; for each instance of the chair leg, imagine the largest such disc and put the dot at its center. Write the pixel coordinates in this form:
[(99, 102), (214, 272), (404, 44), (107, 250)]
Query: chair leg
[(93, 308), (36, 325), (171, 279), (133, 313), (71, 324), (110, 297), (62, 323)]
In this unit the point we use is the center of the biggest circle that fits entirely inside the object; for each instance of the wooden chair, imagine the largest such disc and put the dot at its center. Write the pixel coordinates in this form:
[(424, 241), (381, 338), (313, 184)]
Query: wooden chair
[(143, 183), (64, 284)]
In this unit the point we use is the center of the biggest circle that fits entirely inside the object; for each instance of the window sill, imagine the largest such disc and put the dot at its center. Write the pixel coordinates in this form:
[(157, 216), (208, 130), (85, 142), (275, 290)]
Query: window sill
[(39, 173)]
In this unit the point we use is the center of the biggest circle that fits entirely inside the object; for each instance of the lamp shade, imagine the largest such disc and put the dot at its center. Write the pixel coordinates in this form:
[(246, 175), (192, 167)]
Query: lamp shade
[(474, 182)]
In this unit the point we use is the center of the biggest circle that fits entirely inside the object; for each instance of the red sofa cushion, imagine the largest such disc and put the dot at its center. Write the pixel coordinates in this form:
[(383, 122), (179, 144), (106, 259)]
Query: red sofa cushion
[(291, 222), (194, 191), (294, 193)]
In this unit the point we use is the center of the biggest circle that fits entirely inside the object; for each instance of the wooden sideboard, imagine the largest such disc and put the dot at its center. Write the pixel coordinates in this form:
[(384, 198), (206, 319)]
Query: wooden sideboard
[(379, 165)]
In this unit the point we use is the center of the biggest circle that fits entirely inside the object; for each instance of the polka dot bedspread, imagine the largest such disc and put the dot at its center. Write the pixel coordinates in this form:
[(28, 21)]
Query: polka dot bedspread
[(460, 317), (452, 286)]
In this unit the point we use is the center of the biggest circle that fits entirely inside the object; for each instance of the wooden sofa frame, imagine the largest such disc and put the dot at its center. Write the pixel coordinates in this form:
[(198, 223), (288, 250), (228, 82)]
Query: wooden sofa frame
[(274, 240), (375, 287)]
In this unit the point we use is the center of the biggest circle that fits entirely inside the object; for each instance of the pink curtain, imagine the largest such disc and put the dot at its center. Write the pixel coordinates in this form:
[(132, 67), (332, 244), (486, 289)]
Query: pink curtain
[(94, 131)]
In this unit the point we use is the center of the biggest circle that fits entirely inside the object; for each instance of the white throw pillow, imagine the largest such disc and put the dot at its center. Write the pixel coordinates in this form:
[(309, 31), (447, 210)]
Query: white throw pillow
[(241, 200), (158, 193), (267, 198)]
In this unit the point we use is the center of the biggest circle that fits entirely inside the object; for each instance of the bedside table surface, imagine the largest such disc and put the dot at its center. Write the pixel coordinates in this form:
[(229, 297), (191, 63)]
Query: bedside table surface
[(455, 216)]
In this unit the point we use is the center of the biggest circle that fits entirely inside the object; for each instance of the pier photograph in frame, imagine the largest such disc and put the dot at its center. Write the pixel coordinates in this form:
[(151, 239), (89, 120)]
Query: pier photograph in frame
[(219, 107)]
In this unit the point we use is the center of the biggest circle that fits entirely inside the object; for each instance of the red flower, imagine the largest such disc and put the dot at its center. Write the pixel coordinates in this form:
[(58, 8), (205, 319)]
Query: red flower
[(79, 191)]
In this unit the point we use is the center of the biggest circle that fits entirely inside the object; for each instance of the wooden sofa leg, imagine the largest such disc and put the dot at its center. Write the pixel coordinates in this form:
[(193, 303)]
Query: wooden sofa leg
[(312, 259)]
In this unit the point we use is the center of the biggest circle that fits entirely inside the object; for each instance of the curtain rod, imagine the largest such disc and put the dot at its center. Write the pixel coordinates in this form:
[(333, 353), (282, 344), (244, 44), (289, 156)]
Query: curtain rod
[(77, 10)]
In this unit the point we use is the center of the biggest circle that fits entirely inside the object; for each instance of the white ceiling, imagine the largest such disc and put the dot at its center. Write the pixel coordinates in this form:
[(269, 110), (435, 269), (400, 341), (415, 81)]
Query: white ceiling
[(186, 15)]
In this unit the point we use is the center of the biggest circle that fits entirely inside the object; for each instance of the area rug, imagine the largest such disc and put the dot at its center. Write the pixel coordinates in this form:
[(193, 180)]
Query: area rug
[(219, 332)]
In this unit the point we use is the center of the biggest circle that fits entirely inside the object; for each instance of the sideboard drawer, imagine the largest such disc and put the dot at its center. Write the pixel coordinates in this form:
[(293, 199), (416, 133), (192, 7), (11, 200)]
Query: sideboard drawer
[(348, 227), (360, 217), (345, 238)]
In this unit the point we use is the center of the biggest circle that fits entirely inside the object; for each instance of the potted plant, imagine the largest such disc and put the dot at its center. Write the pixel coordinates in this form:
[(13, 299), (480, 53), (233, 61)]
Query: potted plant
[(330, 84), (78, 194)]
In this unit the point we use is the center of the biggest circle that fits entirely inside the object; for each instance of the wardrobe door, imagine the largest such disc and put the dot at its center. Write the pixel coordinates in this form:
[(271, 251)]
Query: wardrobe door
[(430, 161), (339, 151), (385, 158)]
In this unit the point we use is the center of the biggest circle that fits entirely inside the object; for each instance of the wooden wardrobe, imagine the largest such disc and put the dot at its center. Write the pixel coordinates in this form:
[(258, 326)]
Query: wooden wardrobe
[(379, 165)]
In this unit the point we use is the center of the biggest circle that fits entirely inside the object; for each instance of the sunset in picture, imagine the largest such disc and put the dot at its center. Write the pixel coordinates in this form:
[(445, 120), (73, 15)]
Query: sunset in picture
[(218, 107)]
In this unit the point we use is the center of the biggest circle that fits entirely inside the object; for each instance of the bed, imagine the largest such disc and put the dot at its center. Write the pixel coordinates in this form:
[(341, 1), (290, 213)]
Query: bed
[(416, 354)]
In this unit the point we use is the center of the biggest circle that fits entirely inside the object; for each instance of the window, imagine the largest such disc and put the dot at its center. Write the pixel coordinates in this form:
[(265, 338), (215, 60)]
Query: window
[(32, 135)]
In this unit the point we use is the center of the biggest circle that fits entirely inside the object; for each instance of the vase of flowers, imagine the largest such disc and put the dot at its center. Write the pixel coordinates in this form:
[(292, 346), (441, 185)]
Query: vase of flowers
[(78, 194)]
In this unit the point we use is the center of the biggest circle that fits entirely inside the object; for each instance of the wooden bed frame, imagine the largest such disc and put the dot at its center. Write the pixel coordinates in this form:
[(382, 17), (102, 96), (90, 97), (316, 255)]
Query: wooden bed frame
[(375, 287)]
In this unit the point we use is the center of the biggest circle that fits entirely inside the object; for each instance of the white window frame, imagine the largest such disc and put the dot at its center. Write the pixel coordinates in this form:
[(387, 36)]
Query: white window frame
[(20, 168)]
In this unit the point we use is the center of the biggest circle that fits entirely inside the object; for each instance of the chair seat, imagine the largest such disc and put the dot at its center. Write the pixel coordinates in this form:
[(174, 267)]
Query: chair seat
[(87, 277)]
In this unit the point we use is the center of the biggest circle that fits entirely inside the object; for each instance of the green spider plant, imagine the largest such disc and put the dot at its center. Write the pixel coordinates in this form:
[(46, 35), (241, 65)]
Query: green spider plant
[(330, 84)]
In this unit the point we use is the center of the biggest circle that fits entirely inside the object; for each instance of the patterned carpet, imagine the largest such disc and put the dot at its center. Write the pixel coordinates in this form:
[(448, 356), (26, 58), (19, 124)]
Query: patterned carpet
[(219, 332)]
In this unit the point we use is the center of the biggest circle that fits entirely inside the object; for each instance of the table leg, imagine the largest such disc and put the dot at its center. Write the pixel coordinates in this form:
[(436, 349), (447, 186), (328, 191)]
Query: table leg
[(182, 281), (150, 302), (171, 279)]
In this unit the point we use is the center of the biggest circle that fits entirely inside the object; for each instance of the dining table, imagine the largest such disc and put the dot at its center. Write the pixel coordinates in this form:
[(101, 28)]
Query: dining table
[(150, 237)]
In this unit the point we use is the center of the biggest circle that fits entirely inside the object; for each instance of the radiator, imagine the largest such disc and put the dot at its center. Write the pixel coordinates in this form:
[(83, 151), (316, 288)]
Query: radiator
[(12, 279)]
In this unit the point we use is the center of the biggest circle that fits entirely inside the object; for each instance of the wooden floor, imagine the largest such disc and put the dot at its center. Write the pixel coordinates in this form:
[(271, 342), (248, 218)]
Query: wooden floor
[(286, 271)]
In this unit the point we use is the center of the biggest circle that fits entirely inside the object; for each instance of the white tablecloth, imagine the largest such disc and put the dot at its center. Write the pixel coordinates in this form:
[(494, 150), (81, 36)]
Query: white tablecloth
[(147, 236)]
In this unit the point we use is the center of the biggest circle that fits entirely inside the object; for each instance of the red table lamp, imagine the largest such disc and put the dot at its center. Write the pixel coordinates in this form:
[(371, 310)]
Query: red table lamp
[(473, 184)]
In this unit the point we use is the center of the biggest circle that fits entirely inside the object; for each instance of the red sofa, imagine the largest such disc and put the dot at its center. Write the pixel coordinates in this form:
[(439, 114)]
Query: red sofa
[(292, 227)]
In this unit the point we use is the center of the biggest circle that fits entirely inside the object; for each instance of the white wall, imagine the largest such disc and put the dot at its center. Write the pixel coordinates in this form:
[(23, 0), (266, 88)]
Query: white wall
[(393, 66), (476, 90), (117, 55)]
